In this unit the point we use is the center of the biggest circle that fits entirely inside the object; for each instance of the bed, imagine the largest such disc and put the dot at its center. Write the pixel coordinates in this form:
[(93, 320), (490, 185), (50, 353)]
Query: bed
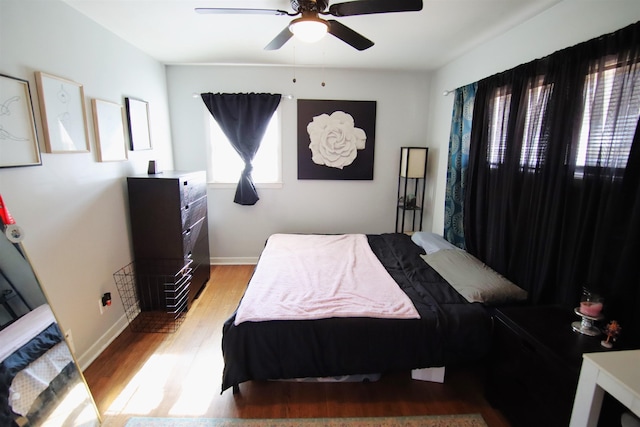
[(38, 374), (446, 327)]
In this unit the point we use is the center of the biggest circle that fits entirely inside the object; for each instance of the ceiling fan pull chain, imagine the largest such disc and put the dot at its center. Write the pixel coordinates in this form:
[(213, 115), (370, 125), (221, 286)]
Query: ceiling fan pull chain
[(323, 79), (294, 63)]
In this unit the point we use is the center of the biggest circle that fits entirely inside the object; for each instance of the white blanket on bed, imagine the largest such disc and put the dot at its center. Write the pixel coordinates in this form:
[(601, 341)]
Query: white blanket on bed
[(303, 277)]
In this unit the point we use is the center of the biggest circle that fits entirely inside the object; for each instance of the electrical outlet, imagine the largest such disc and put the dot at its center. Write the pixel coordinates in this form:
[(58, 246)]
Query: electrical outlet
[(69, 338), (100, 306)]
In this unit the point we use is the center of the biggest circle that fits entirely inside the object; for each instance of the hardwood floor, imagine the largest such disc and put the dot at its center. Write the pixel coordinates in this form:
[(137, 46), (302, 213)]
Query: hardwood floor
[(178, 375)]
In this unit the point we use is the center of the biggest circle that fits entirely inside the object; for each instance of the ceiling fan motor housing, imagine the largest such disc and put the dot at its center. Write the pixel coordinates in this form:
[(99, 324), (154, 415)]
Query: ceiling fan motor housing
[(309, 5)]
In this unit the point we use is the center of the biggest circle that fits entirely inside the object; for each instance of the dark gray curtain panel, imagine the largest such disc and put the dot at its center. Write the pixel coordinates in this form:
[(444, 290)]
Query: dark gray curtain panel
[(552, 199), (243, 117)]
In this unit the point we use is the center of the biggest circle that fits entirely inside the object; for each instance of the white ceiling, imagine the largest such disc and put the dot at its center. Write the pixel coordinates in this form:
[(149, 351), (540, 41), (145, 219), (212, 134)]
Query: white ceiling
[(171, 32)]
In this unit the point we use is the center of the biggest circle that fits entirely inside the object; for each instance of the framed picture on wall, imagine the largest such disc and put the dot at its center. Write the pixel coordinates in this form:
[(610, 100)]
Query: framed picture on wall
[(336, 139), (138, 124), (108, 123), (18, 138), (64, 116)]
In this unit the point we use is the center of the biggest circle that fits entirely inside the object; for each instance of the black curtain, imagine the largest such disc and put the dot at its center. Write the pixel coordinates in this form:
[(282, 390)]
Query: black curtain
[(243, 117), (553, 199)]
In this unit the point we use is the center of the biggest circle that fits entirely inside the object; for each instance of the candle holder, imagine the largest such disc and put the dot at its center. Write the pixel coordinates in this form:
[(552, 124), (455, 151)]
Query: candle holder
[(590, 311), (586, 325)]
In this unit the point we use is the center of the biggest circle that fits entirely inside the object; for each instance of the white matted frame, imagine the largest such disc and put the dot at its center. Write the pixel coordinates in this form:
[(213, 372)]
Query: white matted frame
[(18, 137), (108, 123), (138, 122), (64, 116)]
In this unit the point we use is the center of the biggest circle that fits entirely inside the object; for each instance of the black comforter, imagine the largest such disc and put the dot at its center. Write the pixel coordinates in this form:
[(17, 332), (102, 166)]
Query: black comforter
[(449, 330)]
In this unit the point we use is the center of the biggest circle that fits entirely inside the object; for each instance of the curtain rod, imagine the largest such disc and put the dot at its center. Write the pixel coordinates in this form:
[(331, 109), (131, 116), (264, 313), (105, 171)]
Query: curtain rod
[(287, 96)]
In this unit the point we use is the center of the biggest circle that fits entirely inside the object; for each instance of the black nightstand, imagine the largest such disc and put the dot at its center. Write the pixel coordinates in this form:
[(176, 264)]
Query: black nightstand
[(535, 363)]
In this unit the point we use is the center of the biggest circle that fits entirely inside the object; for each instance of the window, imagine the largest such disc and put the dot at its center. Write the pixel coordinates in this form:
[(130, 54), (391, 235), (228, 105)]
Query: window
[(226, 165), (608, 124), (533, 141), (498, 130), (610, 117)]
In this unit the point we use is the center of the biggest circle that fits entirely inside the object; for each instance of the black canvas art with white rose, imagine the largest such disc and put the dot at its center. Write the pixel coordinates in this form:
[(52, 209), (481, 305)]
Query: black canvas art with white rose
[(336, 139)]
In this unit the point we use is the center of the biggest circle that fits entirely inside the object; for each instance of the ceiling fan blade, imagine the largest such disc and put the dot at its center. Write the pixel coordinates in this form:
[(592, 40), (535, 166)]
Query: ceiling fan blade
[(227, 10), (279, 40), (349, 36), (366, 7)]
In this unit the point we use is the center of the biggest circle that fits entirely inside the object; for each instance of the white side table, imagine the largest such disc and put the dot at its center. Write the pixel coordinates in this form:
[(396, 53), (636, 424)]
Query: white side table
[(617, 373)]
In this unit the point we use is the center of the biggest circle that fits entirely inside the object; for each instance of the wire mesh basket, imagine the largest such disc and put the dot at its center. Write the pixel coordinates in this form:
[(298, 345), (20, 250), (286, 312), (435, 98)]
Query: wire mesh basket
[(155, 294)]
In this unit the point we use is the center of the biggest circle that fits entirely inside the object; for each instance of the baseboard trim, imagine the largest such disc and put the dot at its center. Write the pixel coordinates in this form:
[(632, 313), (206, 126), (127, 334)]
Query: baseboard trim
[(233, 260), (98, 347)]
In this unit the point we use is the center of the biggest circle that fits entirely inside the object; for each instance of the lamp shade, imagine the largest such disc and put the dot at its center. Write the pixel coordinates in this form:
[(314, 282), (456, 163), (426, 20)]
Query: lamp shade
[(413, 162), (308, 28)]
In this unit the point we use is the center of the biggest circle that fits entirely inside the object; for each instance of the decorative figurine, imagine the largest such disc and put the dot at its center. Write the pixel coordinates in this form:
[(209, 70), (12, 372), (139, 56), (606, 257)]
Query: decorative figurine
[(410, 201), (612, 330)]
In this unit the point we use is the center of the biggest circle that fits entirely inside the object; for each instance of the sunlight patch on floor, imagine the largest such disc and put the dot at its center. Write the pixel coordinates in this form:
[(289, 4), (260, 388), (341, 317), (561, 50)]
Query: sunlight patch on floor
[(146, 390), (199, 386)]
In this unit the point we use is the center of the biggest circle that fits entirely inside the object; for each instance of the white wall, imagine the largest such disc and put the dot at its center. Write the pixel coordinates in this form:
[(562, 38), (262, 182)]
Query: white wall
[(239, 232), (72, 208), (566, 24)]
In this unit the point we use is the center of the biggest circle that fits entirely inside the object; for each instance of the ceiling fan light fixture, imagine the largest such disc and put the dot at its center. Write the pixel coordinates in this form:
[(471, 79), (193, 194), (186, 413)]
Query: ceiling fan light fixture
[(309, 29)]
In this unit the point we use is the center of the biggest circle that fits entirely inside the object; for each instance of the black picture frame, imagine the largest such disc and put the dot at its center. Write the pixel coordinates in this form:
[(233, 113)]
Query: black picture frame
[(19, 139), (138, 124), (363, 114)]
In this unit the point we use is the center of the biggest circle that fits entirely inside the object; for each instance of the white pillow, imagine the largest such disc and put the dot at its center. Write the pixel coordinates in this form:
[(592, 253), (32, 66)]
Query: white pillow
[(431, 242)]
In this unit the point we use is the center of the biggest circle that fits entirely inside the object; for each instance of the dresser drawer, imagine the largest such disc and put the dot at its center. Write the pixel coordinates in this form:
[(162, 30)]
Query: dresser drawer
[(190, 236), (194, 187), (193, 212)]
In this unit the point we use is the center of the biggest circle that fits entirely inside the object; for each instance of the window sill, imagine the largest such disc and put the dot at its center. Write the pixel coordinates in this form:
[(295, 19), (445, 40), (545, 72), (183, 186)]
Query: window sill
[(224, 185)]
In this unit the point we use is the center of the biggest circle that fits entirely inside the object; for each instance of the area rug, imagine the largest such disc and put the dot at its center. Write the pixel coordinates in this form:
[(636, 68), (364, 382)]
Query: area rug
[(465, 420)]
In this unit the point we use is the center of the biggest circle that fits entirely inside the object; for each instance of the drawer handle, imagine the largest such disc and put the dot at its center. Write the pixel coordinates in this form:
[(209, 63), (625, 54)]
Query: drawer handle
[(188, 231), (185, 183), (186, 207)]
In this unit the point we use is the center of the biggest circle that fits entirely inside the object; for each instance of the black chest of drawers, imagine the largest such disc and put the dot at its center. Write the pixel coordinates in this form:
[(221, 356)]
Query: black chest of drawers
[(535, 363), (168, 214)]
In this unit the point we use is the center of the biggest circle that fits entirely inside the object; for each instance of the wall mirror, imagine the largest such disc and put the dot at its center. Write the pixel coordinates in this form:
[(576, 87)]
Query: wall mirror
[(40, 381)]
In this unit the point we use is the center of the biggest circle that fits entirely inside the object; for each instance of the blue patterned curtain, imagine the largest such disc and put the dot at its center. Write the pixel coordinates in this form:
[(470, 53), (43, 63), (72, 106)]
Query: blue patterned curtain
[(458, 161)]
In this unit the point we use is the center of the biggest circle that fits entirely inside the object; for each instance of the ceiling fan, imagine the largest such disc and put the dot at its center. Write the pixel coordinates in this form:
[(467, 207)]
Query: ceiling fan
[(310, 27)]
